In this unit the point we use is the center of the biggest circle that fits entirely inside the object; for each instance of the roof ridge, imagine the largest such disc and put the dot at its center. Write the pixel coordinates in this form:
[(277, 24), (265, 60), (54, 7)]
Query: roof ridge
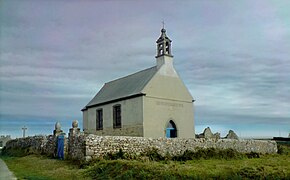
[(130, 75)]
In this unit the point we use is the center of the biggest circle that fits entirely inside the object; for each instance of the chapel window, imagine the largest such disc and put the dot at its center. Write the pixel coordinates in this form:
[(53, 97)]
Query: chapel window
[(99, 119), (117, 116)]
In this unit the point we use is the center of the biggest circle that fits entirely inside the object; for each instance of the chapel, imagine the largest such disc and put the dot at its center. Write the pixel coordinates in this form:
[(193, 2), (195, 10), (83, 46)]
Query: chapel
[(153, 102)]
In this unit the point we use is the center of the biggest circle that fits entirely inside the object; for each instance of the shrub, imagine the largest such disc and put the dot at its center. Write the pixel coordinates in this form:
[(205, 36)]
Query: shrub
[(260, 172), (187, 155), (283, 150), (253, 155), (231, 154), (250, 172), (154, 155), (210, 153), (16, 152), (113, 156)]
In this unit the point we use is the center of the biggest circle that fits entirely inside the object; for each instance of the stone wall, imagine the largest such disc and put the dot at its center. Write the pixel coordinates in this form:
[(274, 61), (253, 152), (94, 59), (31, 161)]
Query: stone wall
[(98, 146), (4, 139), (87, 147), (36, 144), (49, 147), (76, 147)]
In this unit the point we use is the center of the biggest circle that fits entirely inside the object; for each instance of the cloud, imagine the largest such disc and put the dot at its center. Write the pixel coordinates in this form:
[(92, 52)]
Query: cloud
[(233, 56)]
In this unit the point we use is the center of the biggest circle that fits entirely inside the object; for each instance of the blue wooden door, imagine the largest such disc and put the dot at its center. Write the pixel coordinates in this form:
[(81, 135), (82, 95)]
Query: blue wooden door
[(168, 132)]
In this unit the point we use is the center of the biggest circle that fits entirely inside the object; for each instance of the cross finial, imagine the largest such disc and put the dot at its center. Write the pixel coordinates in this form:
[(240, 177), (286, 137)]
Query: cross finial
[(163, 24)]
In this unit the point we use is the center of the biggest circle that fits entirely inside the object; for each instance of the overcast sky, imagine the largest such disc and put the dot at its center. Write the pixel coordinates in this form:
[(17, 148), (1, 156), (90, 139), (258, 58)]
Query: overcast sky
[(234, 56)]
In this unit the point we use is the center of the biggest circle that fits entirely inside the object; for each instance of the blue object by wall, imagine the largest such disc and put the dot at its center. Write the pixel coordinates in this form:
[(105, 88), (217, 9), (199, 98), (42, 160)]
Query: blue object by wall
[(60, 147)]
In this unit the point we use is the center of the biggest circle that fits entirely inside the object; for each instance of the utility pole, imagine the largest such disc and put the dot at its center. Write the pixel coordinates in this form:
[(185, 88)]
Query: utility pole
[(24, 129)]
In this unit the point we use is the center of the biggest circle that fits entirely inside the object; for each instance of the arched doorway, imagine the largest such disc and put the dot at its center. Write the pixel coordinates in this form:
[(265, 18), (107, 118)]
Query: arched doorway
[(171, 131)]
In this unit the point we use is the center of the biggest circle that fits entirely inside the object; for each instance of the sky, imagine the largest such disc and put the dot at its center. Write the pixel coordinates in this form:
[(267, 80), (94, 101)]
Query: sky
[(234, 57)]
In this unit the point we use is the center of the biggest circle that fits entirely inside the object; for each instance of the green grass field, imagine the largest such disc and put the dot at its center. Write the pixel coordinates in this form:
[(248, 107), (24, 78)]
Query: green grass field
[(35, 167), (265, 167)]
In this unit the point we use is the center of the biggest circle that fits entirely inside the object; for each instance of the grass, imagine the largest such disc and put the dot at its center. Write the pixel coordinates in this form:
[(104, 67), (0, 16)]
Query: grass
[(265, 167), (36, 167), (203, 164)]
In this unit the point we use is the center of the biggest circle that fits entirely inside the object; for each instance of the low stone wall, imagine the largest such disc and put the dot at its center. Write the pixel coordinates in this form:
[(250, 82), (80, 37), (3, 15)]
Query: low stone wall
[(87, 147), (99, 146), (36, 144), (50, 146), (4, 139)]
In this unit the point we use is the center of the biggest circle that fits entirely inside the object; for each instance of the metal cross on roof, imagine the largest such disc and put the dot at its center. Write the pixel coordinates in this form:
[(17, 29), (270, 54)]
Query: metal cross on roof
[(163, 24)]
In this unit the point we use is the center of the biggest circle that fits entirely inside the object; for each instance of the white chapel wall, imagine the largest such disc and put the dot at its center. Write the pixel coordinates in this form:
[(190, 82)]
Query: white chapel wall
[(167, 86), (131, 114), (158, 112), (167, 98)]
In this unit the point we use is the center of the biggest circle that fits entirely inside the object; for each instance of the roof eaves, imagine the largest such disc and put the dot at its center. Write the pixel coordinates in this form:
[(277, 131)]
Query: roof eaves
[(114, 100)]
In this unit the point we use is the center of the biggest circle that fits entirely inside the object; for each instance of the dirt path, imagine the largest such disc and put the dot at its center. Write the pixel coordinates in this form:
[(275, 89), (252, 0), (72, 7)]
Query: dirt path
[(5, 173)]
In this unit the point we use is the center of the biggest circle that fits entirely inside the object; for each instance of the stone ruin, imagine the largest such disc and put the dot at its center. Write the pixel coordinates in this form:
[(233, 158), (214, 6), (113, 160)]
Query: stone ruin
[(232, 135), (207, 133)]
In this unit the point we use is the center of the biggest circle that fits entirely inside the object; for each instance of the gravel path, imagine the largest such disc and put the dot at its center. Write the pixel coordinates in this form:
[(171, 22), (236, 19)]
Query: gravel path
[(5, 173)]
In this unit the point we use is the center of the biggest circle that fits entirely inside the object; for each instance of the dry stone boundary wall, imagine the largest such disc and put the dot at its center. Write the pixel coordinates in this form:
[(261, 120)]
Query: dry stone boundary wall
[(79, 146), (99, 146), (36, 144)]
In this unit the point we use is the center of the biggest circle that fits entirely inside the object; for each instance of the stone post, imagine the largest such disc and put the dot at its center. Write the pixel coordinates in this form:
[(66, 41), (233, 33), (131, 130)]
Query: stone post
[(73, 133), (74, 130), (57, 131)]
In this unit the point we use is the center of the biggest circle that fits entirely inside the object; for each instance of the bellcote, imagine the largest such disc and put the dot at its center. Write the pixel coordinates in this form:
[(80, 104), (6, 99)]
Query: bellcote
[(163, 45), (164, 58)]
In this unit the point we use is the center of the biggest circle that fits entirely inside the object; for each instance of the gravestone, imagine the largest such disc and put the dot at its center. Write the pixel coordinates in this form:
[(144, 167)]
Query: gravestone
[(217, 136), (207, 133), (232, 135)]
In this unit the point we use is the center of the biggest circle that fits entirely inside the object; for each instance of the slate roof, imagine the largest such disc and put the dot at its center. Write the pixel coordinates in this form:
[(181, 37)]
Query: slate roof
[(124, 87)]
